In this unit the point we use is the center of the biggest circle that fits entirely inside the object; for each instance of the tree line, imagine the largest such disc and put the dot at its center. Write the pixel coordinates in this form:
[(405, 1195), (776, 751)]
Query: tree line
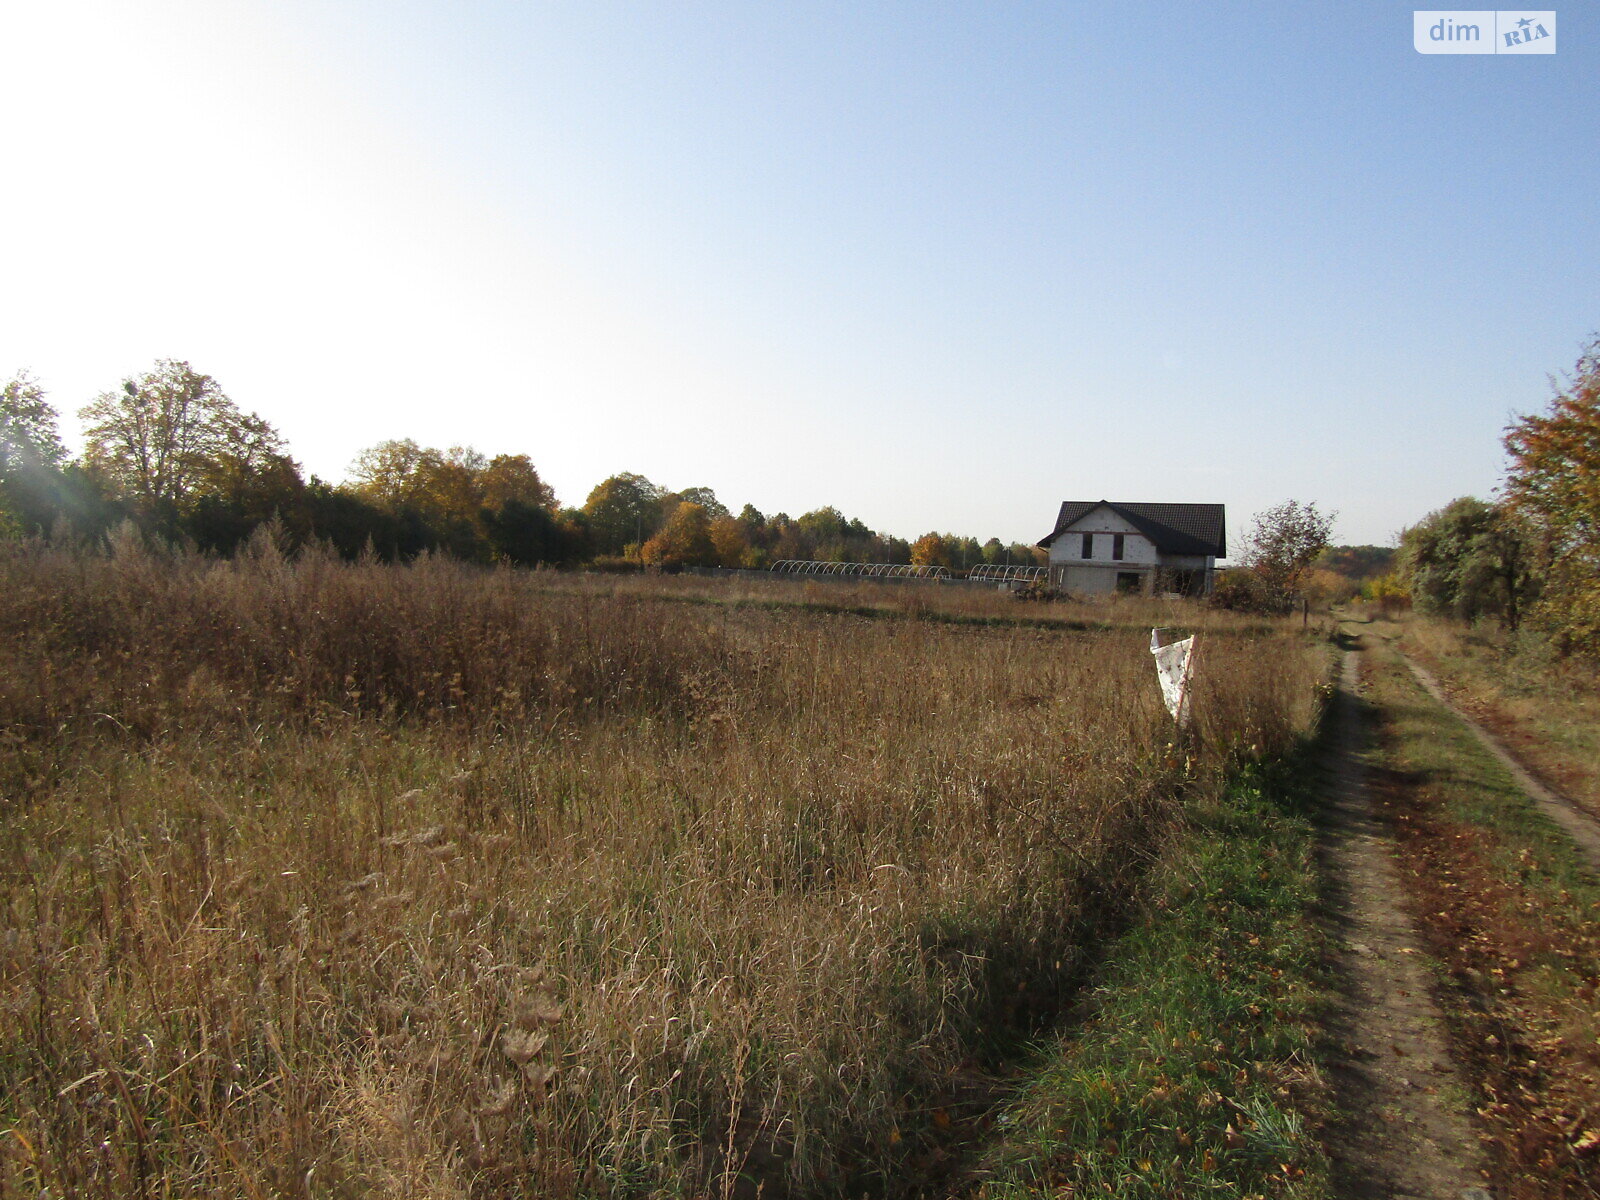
[(1531, 555), (171, 452)]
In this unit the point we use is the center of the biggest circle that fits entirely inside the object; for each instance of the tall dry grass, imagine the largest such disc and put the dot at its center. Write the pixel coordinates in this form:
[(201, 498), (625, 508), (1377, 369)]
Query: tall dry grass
[(350, 880)]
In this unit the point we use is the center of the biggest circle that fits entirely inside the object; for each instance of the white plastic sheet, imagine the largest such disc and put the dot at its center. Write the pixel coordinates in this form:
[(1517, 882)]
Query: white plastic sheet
[(1174, 667)]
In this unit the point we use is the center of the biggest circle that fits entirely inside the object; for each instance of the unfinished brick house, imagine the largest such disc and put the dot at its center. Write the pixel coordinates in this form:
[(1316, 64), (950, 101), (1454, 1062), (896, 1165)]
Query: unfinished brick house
[(1101, 546)]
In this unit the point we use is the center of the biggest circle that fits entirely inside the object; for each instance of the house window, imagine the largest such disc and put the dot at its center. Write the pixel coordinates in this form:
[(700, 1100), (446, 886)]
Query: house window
[(1128, 582), (1088, 545), (1116, 546)]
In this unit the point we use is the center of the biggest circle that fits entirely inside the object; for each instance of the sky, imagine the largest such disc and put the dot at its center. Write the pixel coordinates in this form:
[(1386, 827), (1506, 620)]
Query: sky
[(939, 265)]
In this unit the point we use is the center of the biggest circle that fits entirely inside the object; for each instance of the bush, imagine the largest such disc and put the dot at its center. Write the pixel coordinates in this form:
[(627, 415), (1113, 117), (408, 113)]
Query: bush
[(1244, 590)]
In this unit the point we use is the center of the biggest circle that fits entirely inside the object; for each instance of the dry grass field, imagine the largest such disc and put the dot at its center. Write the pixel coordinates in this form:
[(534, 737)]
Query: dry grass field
[(956, 602), (338, 880)]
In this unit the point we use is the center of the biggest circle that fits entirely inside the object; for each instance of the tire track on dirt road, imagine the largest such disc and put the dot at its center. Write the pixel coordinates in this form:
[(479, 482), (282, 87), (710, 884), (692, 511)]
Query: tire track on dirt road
[(1574, 822), (1403, 1130)]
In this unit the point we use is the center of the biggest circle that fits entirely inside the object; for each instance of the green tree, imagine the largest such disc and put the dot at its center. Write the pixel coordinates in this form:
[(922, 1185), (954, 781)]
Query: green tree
[(354, 525), (171, 435), (530, 534), (28, 437), (758, 536), (621, 511), (1554, 484), (472, 506), (512, 477), (824, 532), (785, 538), (1026, 554), (452, 484), (31, 455), (390, 474), (250, 481), (706, 499), (1358, 563), (1469, 560)]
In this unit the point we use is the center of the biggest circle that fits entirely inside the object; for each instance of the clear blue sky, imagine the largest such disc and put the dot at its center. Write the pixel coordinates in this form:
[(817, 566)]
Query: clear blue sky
[(940, 265)]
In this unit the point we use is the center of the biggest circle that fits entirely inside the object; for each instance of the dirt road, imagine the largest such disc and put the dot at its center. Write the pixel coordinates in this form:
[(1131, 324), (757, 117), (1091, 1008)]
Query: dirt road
[(1405, 1131)]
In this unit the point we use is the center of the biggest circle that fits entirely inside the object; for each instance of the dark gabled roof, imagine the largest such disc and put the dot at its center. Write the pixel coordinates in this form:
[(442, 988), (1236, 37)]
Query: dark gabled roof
[(1174, 528)]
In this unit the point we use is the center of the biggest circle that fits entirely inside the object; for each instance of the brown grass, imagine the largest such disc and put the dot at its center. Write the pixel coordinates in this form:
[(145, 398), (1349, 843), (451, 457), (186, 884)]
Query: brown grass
[(340, 880)]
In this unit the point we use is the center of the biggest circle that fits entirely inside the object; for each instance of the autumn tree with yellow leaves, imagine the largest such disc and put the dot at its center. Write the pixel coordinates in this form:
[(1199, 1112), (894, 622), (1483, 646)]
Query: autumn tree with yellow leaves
[(684, 541), (1554, 485)]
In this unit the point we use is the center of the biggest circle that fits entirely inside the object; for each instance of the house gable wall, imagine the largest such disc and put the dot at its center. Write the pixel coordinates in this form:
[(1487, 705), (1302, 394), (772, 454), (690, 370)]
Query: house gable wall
[(1137, 550)]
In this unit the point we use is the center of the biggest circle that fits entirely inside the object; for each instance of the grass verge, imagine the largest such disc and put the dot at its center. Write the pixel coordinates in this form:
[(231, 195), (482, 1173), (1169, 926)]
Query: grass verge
[(1509, 910), (1546, 709), (1194, 1074)]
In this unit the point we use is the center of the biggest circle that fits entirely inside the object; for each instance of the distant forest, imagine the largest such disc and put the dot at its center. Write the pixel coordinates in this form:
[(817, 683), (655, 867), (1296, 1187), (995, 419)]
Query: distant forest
[(169, 451)]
